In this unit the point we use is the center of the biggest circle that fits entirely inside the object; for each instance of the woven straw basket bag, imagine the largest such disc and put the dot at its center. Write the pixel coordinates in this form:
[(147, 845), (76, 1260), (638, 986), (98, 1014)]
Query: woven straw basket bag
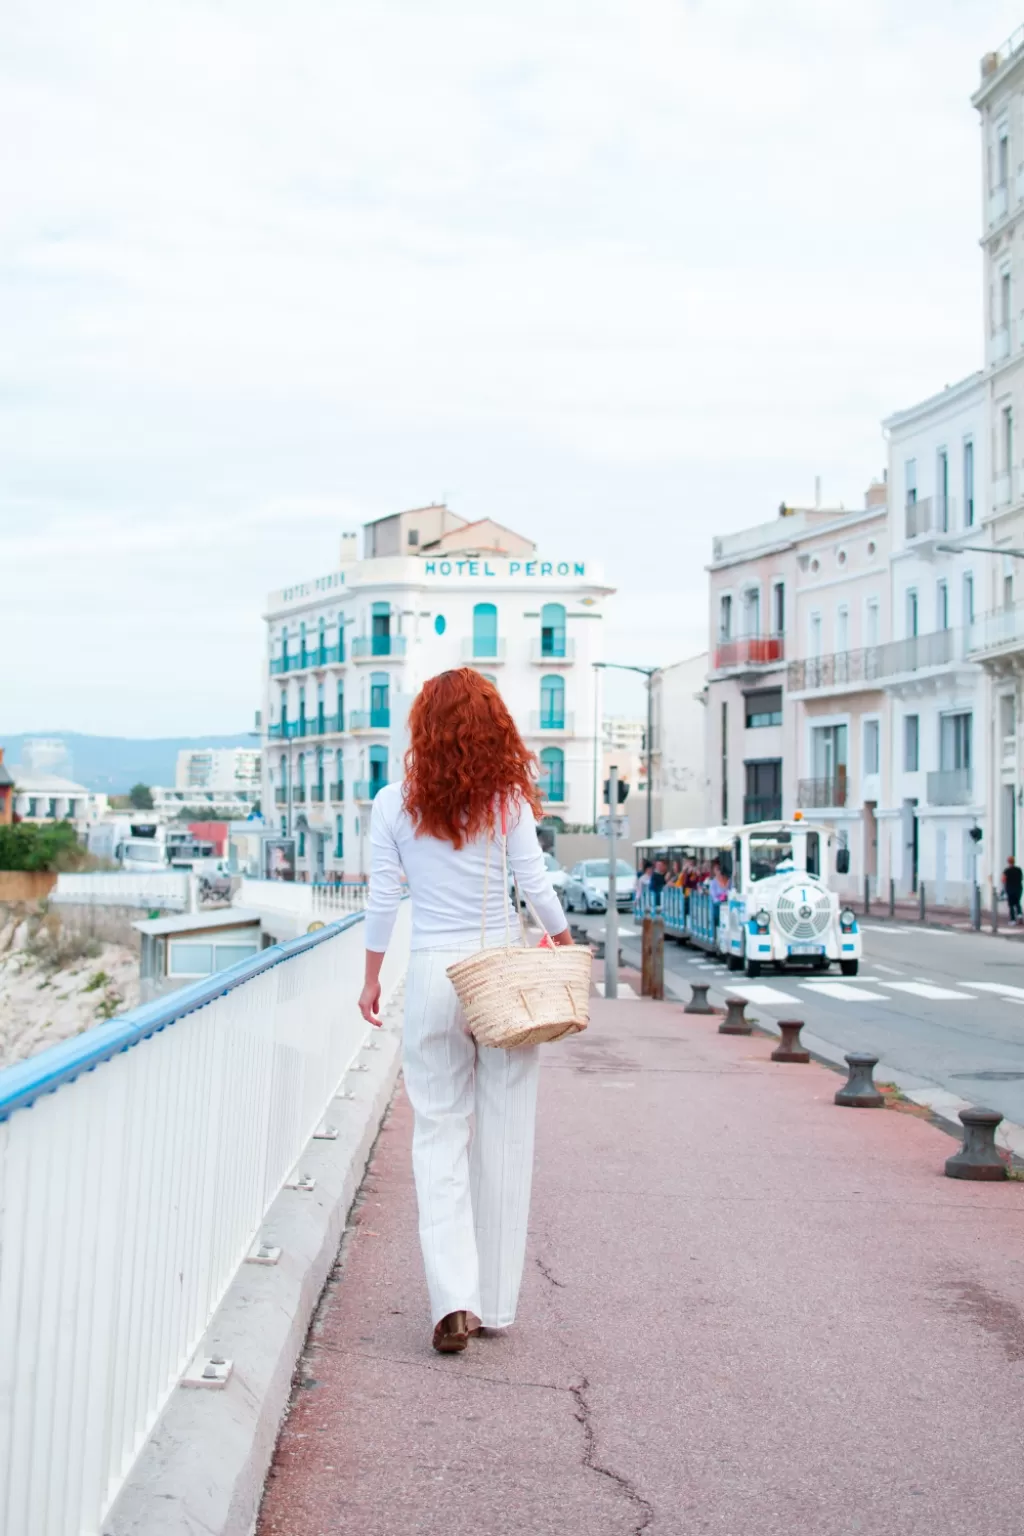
[(515, 995)]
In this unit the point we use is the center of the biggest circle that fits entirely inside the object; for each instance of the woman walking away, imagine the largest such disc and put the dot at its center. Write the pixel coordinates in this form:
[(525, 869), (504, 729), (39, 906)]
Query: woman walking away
[(467, 774)]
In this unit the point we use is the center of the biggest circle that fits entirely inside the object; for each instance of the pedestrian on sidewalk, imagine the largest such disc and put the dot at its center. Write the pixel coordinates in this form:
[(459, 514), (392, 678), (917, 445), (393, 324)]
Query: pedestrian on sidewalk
[(1013, 881), (473, 1106)]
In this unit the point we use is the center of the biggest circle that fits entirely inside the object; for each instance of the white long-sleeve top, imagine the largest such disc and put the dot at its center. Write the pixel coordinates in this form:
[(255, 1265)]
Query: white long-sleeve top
[(447, 883)]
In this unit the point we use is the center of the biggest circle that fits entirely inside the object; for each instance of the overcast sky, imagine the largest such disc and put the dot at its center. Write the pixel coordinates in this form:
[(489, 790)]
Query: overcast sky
[(621, 273)]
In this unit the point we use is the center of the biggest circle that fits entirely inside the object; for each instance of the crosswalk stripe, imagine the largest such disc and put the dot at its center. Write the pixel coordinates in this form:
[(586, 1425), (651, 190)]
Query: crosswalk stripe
[(925, 989), (845, 991), (754, 992), (1001, 988)]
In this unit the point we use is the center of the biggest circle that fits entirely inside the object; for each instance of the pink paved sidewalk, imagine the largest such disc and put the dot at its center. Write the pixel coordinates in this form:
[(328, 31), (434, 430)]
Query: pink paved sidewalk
[(746, 1312)]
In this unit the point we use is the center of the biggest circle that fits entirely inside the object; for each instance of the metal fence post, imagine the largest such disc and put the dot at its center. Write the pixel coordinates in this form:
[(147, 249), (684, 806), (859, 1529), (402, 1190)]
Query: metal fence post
[(867, 895), (611, 943), (995, 909), (646, 955), (892, 898), (920, 900), (976, 907)]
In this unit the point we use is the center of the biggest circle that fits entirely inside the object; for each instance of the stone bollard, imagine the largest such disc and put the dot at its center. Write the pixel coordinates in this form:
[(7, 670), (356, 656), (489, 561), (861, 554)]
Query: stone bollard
[(860, 1091), (735, 1021), (789, 1047), (699, 998), (978, 1158)]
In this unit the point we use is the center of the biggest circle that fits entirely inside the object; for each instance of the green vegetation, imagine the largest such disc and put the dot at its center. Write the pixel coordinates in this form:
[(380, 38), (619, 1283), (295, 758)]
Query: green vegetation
[(141, 797), (96, 980), (28, 846)]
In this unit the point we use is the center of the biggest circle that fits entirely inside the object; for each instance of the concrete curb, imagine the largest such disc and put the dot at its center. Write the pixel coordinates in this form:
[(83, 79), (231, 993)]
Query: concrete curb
[(204, 1466)]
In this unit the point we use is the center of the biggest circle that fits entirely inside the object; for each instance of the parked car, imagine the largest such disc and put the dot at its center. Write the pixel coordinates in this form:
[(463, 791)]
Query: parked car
[(586, 889), (556, 874)]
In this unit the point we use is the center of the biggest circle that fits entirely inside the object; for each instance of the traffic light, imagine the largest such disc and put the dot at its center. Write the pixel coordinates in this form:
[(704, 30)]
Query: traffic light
[(974, 834), (623, 790)]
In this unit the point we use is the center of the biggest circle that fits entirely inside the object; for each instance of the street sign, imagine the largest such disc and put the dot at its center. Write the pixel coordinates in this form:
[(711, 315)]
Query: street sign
[(604, 826)]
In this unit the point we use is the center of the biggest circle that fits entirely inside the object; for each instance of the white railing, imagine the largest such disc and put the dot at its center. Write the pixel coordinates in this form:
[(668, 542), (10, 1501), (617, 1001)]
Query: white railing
[(137, 1163), (163, 888), (299, 898)]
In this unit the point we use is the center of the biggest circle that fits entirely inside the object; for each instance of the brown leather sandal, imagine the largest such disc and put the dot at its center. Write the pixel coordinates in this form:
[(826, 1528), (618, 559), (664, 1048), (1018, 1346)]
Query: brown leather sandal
[(451, 1334)]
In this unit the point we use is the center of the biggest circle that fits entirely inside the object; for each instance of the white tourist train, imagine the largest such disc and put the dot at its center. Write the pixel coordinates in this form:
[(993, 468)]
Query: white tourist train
[(778, 911)]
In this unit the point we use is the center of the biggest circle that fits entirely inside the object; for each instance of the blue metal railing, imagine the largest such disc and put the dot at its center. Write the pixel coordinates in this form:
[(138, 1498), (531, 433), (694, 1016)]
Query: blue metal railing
[(27, 1081)]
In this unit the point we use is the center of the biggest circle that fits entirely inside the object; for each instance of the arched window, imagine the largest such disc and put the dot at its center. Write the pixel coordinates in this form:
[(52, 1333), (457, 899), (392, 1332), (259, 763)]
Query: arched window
[(378, 769), (321, 722), (340, 722), (552, 630), (320, 771), (302, 775), (339, 775), (380, 705), (381, 629), (552, 773), (552, 703), (322, 642), (284, 711), (339, 837), (284, 774), (302, 709), (302, 645), (341, 637), (485, 630)]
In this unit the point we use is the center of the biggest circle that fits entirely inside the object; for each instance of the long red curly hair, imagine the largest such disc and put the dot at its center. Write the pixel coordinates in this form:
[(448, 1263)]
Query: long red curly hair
[(465, 757)]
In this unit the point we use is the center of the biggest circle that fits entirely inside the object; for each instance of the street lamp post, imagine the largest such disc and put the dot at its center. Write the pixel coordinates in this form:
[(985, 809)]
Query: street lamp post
[(648, 672)]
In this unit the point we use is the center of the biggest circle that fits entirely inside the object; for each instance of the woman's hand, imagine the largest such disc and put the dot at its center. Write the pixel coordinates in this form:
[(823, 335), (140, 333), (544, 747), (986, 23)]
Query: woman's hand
[(369, 1003), (565, 937)]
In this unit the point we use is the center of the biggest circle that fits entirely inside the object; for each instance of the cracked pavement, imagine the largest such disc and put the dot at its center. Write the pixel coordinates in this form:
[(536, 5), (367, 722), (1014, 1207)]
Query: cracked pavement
[(745, 1311)]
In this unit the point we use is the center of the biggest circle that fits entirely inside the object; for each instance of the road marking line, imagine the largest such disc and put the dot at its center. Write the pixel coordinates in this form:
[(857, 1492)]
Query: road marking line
[(1001, 988), (845, 991), (893, 970), (754, 992), (923, 989)]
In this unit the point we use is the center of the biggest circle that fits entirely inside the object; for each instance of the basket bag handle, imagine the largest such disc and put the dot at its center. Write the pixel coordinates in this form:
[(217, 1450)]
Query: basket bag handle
[(504, 886)]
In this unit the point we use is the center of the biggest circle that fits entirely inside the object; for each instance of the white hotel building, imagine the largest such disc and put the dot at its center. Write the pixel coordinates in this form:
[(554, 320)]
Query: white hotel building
[(348, 651)]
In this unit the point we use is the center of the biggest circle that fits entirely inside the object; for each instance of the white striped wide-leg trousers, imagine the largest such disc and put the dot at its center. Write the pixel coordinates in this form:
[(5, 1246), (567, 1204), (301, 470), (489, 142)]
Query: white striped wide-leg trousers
[(472, 1148)]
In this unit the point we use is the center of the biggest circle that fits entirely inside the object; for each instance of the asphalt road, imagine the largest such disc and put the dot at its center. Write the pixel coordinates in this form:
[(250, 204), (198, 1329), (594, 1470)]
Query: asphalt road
[(943, 1007)]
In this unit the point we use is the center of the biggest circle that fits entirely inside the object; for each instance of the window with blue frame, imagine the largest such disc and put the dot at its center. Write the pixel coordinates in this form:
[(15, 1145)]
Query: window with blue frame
[(302, 709), (378, 769), (302, 845), (284, 826), (339, 775), (339, 837), (302, 775), (341, 638), (322, 643), (485, 630), (284, 711), (380, 620), (320, 770), (320, 717), (552, 703), (552, 630), (341, 707), (380, 705), (303, 656), (552, 773)]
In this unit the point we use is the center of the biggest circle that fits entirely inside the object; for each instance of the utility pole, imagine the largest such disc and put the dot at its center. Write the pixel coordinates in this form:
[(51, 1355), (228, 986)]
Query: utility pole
[(611, 933)]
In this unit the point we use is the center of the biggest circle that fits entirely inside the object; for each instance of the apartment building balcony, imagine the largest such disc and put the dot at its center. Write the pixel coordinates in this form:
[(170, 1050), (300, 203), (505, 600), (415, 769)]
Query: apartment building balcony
[(552, 725), (316, 794), (998, 634), (281, 796), (336, 792), (369, 720), (949, 786), (1004, 488), (366, 790), (762, 808), (299, 794), (554, 791), (851, 671), (376, 647), (929, 515), (552, 653), (748, 652), (822, 794), (483, 652), (999, 343)]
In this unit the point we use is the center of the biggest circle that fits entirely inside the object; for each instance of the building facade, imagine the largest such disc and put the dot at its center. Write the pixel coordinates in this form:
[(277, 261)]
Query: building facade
[(46, 797), (996, 637), (232, 770), (678, 722), (348, 651)]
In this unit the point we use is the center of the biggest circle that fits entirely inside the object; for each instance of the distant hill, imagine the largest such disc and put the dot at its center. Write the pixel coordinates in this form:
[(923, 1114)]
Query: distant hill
[(114, 763)]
